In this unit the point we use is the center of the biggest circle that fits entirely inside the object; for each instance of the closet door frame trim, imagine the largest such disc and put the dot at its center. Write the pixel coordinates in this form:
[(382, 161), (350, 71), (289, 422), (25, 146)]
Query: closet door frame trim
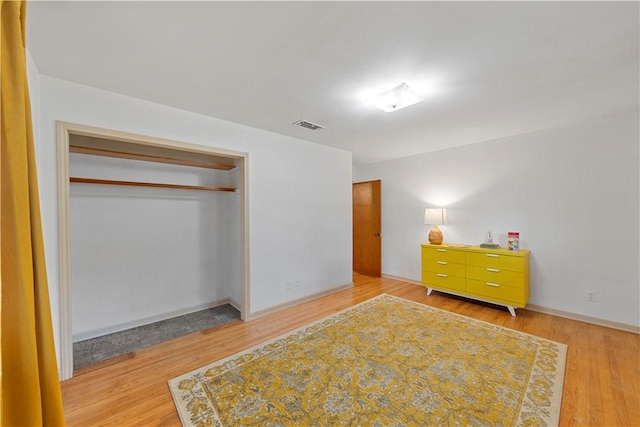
[(64, 131)]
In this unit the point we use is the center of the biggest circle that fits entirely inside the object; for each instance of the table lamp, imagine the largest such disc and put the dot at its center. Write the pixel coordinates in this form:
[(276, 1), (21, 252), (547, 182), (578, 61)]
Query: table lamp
[(435, 217)]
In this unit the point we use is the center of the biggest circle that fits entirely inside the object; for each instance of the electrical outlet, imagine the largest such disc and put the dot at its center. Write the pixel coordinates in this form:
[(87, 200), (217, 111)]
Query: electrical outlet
[(297, 283), (591, 296), (288, 283)]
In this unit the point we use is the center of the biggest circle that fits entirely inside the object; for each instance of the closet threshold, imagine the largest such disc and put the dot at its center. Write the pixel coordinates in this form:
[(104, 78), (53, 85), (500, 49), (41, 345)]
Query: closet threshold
[(147, 184)]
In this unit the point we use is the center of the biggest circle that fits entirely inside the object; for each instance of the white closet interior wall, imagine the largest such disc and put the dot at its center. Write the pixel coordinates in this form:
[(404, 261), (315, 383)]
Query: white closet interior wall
[(142, 254)]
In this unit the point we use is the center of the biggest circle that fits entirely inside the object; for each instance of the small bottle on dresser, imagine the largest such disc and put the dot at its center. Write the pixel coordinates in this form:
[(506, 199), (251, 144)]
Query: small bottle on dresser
[(513, 240)]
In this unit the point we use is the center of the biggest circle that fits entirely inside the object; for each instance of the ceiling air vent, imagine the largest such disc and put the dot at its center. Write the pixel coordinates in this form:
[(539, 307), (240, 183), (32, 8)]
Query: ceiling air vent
[(308, 125)]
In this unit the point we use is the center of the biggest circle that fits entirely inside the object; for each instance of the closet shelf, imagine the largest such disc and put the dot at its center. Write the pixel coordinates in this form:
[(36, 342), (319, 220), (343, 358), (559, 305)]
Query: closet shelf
[(148, 184), (146, 157)]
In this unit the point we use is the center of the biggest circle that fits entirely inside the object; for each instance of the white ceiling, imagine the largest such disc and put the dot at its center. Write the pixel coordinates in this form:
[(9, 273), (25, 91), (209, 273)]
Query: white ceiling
[(486, 69)]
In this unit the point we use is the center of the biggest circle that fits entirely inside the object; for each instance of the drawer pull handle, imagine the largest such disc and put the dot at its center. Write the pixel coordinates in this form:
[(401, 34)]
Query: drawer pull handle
[(493, 255), (495, 285), (442, 262), (441, 250), (493, 270), (442, 275)]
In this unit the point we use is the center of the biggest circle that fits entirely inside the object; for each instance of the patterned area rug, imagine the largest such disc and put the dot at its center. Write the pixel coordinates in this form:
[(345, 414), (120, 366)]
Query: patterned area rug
[(387, 361)]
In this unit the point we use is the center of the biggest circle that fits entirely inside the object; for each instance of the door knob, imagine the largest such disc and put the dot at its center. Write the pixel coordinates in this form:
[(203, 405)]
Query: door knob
[(377, 234)]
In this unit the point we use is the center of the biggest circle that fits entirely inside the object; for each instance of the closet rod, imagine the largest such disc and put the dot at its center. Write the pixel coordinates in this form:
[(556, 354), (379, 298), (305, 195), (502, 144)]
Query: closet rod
[(146, 157), (147, 184)]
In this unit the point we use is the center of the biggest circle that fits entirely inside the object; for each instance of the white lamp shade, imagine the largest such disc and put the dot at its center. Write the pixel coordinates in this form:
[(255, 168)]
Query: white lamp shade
[(434, 216)]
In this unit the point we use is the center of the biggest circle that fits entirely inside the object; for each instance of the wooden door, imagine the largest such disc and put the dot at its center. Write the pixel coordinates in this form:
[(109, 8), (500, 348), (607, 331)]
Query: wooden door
[(367, 228)]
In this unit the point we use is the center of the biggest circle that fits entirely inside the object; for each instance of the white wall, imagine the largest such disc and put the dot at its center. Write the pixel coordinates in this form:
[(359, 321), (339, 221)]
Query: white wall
[(299, 192), (571, 192), (33, 79), (145, 254)]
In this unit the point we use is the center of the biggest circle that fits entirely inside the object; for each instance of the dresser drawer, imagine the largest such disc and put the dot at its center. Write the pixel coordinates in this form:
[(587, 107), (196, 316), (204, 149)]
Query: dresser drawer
[(443, 254), (443, 280), (447, 267), (495, 275), (504, 262), (493, 291)]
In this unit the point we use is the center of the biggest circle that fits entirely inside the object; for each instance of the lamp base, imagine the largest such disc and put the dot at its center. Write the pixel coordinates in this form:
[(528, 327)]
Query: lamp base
[(435, 236)]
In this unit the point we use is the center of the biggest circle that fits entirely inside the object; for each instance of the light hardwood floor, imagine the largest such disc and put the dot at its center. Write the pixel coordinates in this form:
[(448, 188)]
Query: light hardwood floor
[(601, 387)]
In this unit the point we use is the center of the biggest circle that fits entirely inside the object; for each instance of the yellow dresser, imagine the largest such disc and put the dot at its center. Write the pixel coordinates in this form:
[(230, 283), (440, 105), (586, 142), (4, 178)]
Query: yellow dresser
[(499, 276)]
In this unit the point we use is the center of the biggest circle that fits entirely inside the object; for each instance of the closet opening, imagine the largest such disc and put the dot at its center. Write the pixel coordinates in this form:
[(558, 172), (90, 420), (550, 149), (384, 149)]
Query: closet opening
[(153, 241)]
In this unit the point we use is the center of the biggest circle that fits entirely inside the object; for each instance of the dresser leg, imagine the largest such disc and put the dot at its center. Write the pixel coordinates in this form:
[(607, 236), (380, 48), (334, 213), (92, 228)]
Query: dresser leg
[(429, 290), (512, 310)]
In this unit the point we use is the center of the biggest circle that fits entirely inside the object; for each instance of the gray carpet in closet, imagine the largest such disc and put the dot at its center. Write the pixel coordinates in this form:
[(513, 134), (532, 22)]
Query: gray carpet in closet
[(98, 349)]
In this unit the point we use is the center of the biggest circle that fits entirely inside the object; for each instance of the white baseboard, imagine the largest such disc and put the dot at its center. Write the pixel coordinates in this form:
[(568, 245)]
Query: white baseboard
[(234, 304), (279, 307), (81, 336), (587, 319), (565, 314), (403, 279)]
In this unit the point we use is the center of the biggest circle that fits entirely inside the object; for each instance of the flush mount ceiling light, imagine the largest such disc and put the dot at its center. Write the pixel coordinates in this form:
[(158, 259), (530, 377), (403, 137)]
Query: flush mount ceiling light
[(394, 99)]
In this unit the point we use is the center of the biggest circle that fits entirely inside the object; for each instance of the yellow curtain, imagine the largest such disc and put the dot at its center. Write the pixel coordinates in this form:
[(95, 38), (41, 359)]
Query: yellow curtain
[(30, 392)]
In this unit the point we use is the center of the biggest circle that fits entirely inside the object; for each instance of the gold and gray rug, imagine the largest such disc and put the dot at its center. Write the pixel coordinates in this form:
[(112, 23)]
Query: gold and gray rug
[(387, 361)]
